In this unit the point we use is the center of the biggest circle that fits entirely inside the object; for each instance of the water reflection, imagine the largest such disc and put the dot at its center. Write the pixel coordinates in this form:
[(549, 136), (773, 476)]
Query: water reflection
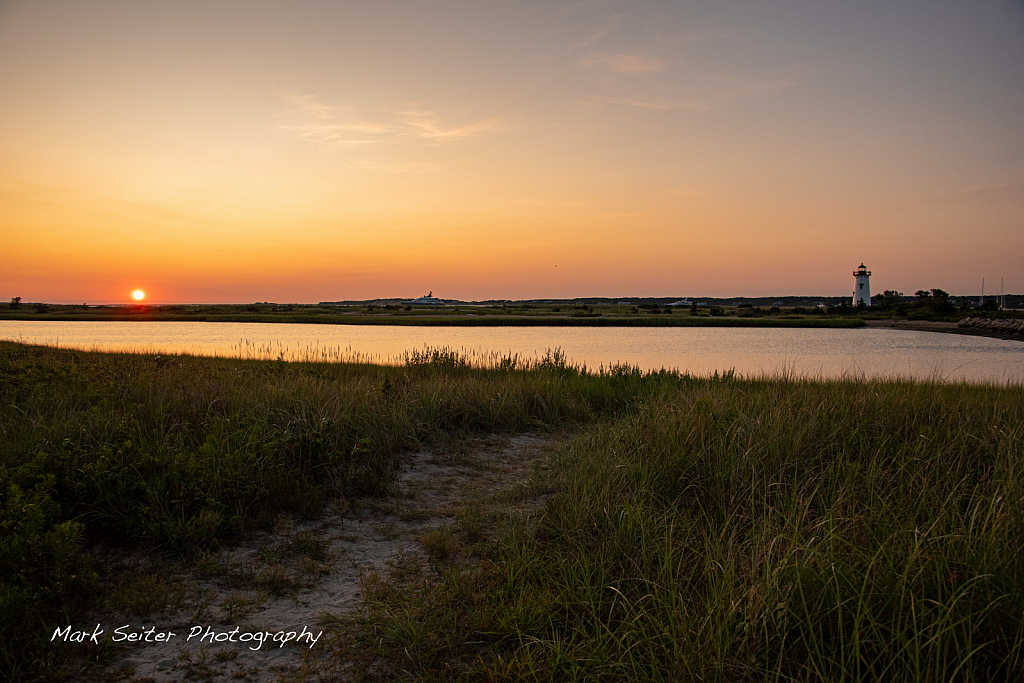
[(863, 352)]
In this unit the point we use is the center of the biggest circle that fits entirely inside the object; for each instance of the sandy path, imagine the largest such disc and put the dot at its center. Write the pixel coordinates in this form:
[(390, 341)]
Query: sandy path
[(286, 585)]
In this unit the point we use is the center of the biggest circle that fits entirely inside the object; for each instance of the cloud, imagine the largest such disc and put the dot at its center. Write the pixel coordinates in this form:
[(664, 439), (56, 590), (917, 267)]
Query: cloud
[(987, 188), (428, 125), (610, 24), (653, 102), (334, 127), (623, 64), (715, 95), (331, 126)]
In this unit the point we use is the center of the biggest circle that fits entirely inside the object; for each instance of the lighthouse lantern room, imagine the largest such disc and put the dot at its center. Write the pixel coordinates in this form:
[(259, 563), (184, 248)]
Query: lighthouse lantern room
[(862, 288)]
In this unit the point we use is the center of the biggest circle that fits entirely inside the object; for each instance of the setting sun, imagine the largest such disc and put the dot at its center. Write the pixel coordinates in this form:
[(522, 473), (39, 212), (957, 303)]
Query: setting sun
[(346, 157), (138, 295)]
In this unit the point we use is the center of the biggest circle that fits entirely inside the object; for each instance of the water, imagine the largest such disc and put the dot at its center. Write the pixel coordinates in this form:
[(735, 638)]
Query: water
[(866, 352)]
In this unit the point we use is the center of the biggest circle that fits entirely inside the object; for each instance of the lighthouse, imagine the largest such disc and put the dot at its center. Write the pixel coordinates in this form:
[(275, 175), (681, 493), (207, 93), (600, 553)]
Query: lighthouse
[(862, 290)]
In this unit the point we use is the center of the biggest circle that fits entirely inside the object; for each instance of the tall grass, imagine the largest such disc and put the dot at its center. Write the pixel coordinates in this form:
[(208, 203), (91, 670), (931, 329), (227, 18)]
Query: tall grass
[(756, 530), (716, 528), (182, 453)]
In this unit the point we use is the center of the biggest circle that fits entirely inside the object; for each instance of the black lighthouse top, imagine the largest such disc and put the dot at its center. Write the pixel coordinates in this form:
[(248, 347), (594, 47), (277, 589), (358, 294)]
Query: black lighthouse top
[(862, 270)]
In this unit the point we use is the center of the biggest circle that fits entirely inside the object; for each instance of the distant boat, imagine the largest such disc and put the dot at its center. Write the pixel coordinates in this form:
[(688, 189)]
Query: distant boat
[(427, 300)]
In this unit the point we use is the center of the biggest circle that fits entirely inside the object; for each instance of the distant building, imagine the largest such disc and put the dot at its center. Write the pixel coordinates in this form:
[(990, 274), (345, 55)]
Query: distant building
[(427, 300), (681, 302), (862, 290)]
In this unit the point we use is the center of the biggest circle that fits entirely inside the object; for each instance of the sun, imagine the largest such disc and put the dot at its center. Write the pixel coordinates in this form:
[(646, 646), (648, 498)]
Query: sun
[(138, 295)]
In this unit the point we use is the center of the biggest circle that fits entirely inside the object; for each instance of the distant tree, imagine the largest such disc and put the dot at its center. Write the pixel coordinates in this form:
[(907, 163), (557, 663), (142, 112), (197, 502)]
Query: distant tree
[(889, 299), (940, 299), (935, 301), (841, 308), (15, 301)]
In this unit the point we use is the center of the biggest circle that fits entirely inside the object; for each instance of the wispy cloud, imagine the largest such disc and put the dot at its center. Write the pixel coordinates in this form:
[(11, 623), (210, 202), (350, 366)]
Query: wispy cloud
[(331, 126), (427, 124), (334, 127), (996, 187), (610, 24), (713, 96), (623, 64)]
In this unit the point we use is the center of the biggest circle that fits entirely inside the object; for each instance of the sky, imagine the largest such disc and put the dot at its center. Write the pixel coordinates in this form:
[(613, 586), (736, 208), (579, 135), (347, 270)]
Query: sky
[(241, 151)]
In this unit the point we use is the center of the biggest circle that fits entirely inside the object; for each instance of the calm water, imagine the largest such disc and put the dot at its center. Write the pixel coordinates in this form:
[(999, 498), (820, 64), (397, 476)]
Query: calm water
[(698, 350)]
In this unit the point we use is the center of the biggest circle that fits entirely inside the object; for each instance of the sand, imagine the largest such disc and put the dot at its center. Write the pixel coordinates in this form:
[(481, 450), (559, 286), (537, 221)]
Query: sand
[(265, 609)]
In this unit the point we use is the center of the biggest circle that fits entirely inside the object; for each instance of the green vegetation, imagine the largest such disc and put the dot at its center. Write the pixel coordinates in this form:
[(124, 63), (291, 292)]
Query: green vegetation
[(752, 530), (718, 528), (505, 315), (925, 305), (936, 305)]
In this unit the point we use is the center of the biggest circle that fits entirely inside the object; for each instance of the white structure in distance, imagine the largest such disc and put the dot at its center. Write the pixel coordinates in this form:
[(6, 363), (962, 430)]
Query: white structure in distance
[(862, 290), (427, 300)]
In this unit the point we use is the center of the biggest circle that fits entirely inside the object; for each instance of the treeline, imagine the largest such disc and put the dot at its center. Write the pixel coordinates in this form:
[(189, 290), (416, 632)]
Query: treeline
[(937, 304)]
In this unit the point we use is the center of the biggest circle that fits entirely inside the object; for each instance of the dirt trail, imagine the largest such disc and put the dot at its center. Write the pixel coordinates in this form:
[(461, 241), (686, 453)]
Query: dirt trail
[(230, 614)]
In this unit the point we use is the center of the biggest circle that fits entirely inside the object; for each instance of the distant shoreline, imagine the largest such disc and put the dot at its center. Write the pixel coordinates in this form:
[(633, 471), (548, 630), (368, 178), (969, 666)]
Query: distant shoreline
[(468, 321), (943, 327), (588, 320)]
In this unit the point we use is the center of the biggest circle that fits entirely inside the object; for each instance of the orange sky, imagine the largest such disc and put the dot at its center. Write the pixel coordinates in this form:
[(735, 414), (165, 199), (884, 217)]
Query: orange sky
[(311, 151)]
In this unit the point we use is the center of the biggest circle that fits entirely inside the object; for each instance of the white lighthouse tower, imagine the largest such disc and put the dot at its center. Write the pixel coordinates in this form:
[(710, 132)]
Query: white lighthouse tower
[(862, 290)]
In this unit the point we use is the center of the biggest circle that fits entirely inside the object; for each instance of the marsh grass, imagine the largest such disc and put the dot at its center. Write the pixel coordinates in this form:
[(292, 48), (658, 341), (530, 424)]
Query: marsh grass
[(181, 454), (239, 605), (751, 530), (439, 544), (142, 592), (720, 528)]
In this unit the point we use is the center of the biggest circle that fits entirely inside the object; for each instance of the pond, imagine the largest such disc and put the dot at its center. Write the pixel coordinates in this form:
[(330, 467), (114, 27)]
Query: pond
[(828, 353)]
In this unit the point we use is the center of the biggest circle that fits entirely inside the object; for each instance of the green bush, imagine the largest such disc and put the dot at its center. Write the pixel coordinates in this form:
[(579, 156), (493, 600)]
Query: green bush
[(45, 574)]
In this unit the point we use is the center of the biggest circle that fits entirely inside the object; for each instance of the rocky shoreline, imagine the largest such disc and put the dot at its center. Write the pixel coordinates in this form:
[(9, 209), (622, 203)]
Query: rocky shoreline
[(982, 327), (1000, 326)]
